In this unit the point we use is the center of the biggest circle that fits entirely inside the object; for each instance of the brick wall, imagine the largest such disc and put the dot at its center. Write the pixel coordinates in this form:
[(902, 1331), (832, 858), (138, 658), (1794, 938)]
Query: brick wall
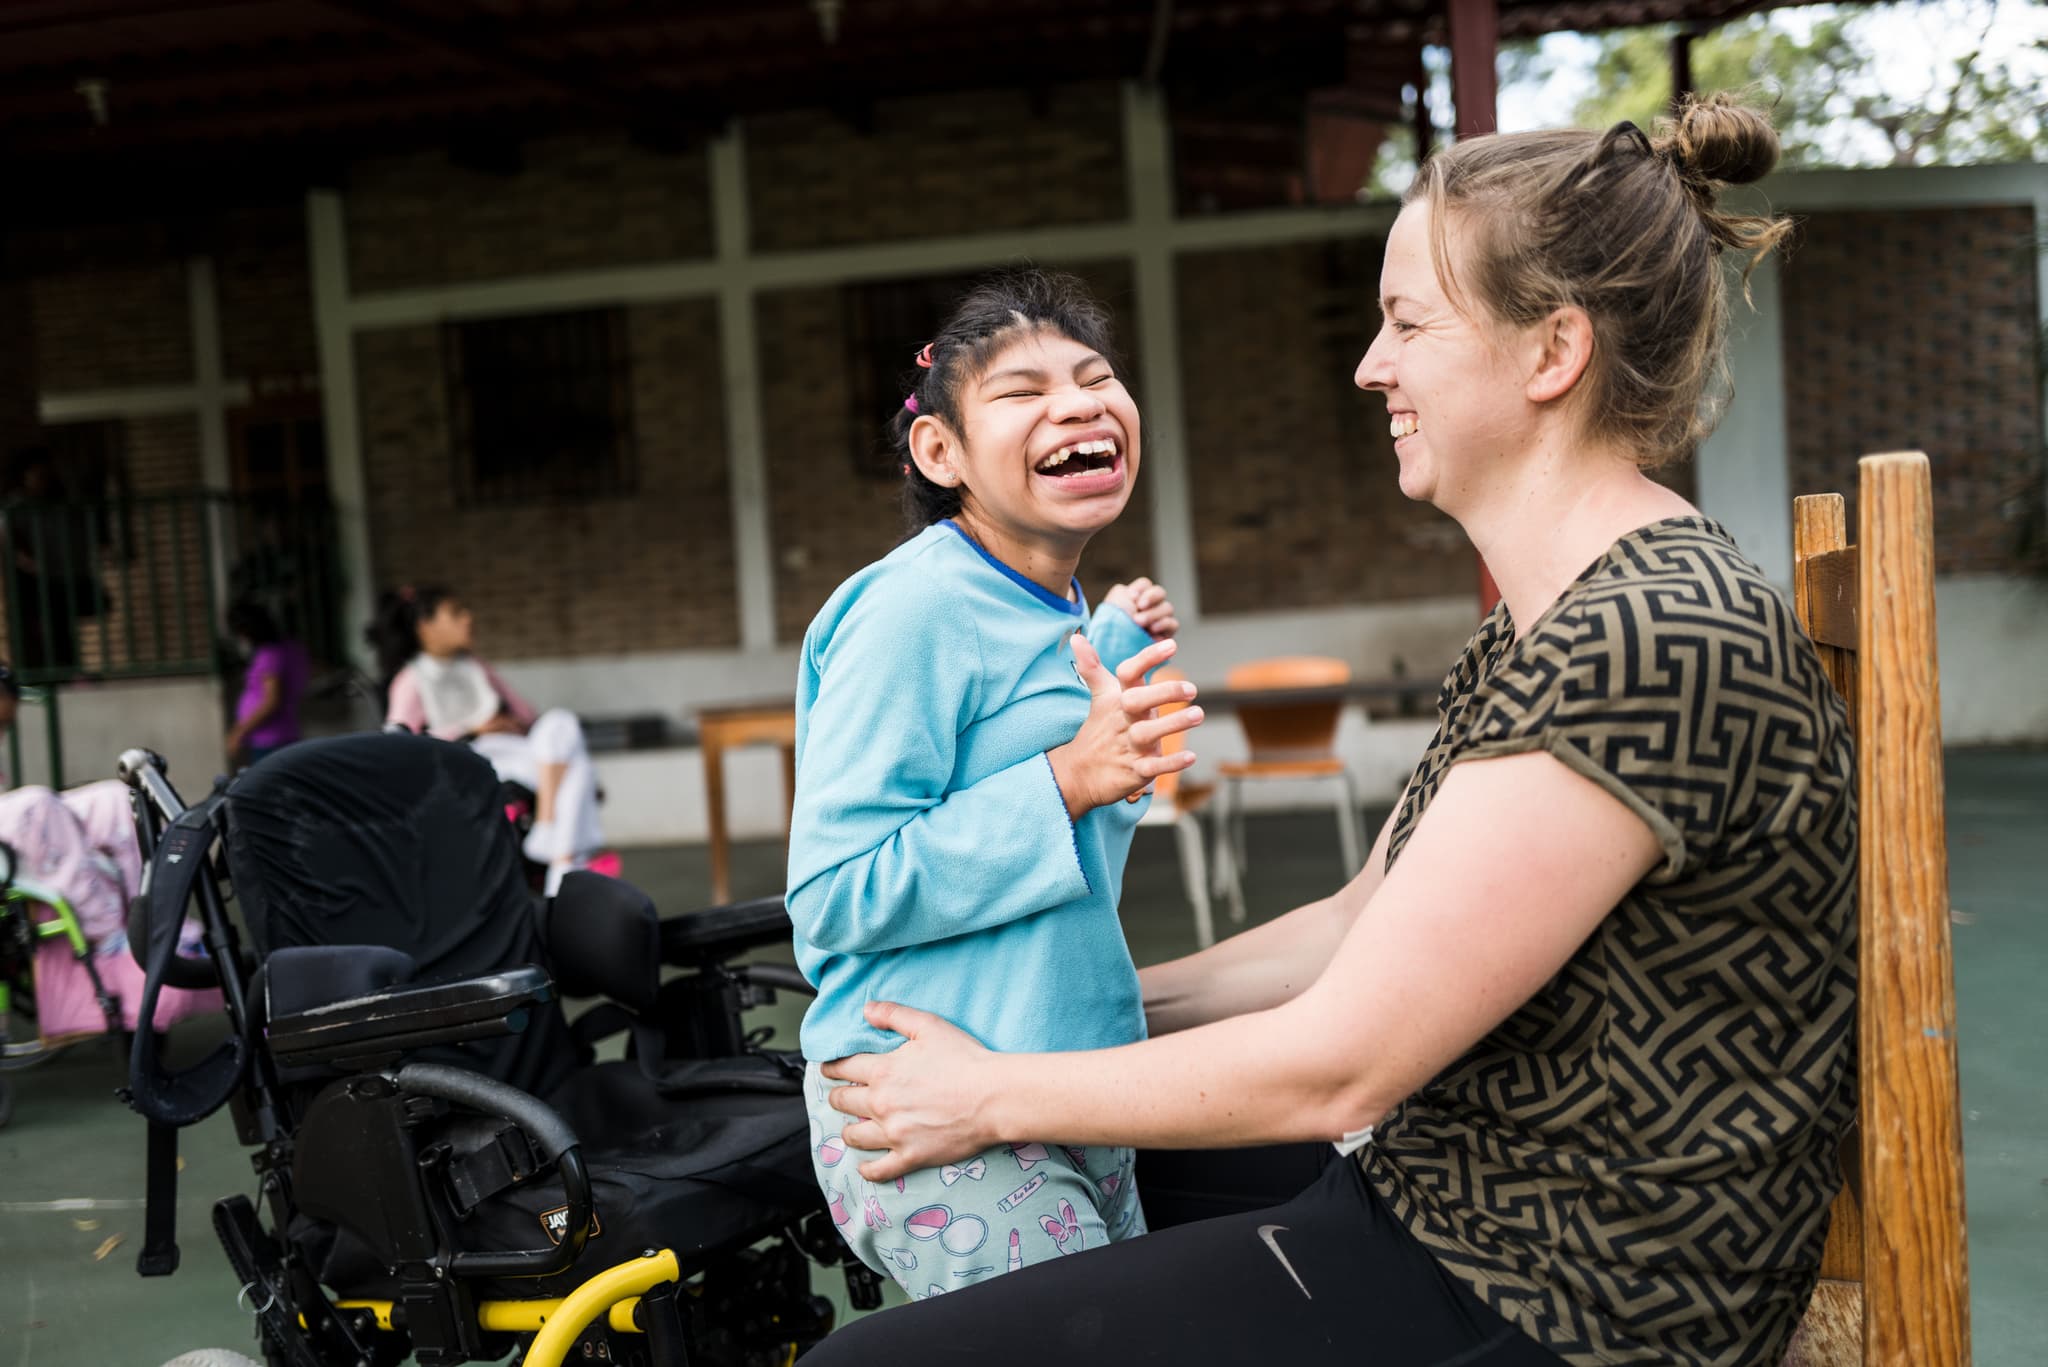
[(99, 327), (1919, 329), (577, 203), (827, 517), (1291, 469), (650, 571), (930, 166)]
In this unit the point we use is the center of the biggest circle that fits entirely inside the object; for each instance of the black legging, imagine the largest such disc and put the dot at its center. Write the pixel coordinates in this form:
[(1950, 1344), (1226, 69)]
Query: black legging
[(1327, 1277)]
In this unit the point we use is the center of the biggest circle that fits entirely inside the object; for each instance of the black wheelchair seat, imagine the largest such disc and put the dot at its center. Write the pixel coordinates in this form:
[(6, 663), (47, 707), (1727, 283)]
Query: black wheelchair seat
[(428, 1108)]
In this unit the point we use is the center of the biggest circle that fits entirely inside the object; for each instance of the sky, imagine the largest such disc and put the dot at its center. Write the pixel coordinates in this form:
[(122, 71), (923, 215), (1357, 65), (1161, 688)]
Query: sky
[(1916, 45)]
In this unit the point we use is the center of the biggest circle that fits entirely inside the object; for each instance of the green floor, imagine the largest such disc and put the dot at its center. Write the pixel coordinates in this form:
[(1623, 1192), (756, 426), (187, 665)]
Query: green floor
[(70, 1217)]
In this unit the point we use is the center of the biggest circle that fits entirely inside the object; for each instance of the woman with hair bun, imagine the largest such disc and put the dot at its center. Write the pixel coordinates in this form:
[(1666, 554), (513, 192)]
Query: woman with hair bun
[(1583, 1028)]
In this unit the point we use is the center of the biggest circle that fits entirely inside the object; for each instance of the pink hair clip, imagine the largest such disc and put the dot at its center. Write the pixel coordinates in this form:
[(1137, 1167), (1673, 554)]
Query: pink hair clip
[(911, 403), (906, 467), (924, 357)]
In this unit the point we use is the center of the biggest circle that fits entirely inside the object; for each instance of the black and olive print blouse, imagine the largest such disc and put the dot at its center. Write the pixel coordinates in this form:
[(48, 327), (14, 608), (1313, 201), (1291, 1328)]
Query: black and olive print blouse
[(1637, 1165)]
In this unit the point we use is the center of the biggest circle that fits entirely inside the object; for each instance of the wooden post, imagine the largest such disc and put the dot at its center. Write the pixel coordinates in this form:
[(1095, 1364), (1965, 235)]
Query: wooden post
[(1832, 1333), (1820, 529), (1916, 1278), (1475, 46), (1681, 65)]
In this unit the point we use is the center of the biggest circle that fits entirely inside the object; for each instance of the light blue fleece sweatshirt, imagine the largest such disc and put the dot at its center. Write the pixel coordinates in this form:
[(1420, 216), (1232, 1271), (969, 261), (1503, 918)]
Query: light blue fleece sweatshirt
[(931, 860)]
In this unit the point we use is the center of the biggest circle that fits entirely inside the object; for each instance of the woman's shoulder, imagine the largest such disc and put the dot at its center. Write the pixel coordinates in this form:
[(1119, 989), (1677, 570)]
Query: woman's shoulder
[(1682, 580)]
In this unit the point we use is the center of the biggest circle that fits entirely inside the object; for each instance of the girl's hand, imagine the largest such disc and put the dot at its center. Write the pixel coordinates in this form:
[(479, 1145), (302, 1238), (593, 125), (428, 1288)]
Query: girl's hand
[(1115, 755), (1146, 603), (921, 1102)]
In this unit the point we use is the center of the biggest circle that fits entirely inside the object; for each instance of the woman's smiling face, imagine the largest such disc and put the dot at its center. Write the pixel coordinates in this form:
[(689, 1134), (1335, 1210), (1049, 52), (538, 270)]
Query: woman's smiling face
[(1456, 401), (1048, 445)]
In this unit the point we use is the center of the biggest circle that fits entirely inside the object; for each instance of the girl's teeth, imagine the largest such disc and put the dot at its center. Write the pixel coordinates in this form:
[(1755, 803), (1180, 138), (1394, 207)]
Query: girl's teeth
[(1104, 447), (1403, 426)]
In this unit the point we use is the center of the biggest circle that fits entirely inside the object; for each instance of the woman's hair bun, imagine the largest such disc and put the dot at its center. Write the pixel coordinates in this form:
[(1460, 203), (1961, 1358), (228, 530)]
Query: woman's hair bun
[(1718, 138)]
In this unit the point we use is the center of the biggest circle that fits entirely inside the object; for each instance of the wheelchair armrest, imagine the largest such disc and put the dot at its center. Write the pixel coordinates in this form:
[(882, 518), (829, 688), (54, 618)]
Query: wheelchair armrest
[(380, 1025), (716, 934)]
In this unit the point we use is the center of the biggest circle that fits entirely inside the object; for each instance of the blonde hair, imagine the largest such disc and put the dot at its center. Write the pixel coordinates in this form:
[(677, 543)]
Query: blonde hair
[(1625, 227)]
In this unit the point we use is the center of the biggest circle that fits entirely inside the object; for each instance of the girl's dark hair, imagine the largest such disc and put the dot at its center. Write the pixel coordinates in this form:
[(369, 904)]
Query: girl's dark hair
[(989, 317), (253, 623), (394, 631)]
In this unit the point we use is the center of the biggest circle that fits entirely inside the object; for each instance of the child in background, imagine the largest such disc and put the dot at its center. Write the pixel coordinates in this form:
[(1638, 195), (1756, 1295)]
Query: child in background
[(969, 774), (435, 683), (267, 714)]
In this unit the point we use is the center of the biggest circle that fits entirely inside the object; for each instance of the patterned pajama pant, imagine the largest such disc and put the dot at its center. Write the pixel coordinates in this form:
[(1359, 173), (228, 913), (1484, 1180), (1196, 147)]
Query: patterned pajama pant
[(939, 1229)]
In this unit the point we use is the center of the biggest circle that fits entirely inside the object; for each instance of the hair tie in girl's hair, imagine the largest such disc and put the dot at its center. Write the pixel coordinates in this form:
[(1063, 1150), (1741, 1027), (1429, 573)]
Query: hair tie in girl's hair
[(924, 357), (405, 593), (911, 403), (906, 468)]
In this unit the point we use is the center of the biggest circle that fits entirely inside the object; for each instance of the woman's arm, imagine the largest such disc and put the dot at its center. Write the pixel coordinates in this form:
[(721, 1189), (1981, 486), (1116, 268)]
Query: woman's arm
[(1266, 965), (1516, 862)]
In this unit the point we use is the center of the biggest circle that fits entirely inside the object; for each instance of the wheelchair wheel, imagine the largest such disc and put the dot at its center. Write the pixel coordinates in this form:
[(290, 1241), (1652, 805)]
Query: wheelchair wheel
[(213, 1357)]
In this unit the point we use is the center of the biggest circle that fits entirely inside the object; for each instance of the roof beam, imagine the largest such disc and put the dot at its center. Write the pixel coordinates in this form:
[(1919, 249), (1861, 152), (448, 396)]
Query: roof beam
[(493, 44)]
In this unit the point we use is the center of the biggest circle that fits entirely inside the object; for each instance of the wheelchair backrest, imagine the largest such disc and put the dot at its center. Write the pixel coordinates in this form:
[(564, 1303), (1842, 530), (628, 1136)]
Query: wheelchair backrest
[(396, 841)]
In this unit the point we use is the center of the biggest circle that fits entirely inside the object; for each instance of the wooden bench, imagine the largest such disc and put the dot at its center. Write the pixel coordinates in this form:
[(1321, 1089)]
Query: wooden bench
[(1894, 1278)]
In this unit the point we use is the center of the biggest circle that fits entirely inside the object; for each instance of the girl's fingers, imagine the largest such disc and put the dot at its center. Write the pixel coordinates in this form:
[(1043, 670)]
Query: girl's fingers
[(1141, 700), (1132, 672), (1088, 664), (1145, 734), (1150, 767)]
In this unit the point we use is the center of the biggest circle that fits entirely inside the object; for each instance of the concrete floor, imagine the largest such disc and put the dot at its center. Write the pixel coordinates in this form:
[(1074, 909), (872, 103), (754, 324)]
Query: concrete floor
[(71, 1160)]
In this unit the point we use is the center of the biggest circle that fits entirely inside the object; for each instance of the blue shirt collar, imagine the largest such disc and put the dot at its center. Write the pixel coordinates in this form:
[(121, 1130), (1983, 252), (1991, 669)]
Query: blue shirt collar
[(1076, 606)]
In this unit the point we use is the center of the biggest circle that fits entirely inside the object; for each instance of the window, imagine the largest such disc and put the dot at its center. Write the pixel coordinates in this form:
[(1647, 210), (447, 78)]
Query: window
[(886, 323), (540, 407)]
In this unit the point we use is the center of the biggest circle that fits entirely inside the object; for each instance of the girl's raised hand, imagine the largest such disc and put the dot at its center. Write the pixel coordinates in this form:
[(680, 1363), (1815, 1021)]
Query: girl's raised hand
[(1115, 755), (1147, 605)]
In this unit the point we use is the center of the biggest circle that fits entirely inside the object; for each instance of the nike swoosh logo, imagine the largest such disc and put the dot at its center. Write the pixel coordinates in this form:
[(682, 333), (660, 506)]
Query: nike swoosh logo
[(1266, 1232)]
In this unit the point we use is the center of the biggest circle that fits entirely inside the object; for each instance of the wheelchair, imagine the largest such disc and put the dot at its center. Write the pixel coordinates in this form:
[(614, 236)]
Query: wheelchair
[(442, 1168), (22, 933)]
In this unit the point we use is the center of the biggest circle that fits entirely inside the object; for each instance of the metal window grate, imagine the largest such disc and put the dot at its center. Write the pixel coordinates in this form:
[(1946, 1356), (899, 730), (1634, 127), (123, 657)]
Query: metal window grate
[(540, 407)]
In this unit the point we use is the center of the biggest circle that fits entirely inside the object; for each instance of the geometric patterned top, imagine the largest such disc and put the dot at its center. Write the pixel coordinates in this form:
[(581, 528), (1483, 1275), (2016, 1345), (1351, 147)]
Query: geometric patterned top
[(1636, 1166)]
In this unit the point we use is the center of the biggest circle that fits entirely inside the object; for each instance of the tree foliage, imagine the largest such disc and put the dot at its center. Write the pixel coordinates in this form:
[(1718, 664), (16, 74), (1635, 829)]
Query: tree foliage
[(1839, 87)]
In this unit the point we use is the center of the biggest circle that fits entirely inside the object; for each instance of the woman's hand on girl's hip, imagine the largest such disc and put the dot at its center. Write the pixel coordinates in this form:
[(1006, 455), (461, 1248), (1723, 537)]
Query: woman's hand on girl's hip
[(918, 1105), (1116, 753), (1147, 605)]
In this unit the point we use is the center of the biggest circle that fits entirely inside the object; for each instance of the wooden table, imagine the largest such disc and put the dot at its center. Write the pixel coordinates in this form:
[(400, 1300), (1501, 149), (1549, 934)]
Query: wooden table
[(720, 728)]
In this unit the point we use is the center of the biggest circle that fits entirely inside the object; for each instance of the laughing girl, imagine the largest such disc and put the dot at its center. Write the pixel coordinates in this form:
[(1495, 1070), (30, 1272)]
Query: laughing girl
[(972, 752)]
